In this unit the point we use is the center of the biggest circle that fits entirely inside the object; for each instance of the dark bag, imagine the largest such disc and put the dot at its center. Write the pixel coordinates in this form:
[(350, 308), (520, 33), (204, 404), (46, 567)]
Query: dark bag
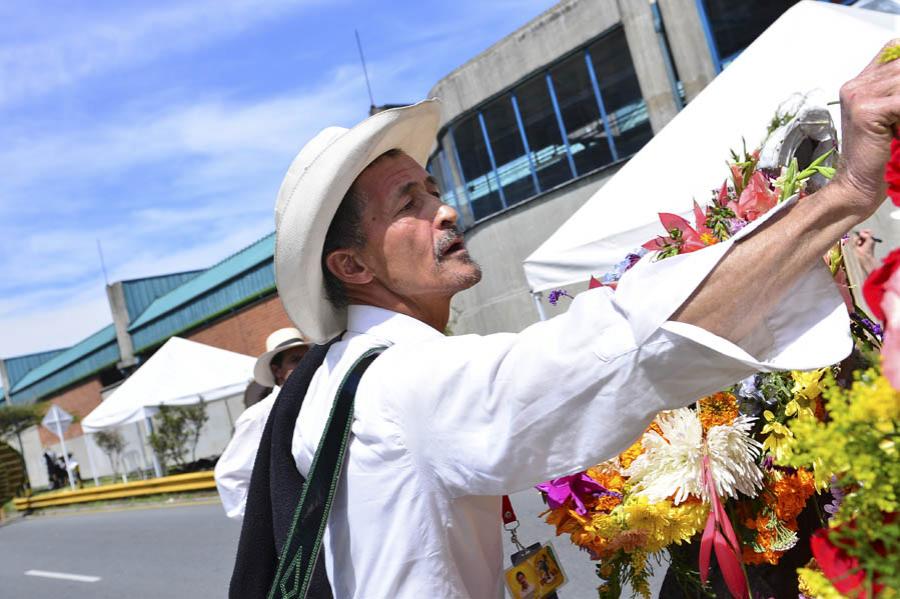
[(286, 515)]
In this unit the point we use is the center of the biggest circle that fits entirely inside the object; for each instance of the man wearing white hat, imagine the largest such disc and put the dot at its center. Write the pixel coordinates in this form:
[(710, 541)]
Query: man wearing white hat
[(284, 350), (442, 427)]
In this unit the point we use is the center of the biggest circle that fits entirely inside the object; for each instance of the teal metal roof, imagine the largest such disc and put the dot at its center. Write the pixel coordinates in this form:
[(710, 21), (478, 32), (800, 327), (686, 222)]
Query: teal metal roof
[(159, 307), (18, 367), (261, 251), (140, 293), (82, 359)]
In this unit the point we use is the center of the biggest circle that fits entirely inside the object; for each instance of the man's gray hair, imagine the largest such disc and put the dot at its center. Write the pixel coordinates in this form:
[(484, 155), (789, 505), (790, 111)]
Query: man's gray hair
[(346, 232)]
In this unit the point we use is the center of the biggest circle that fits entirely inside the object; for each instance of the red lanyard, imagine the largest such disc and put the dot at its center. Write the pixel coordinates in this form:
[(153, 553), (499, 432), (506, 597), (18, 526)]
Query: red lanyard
[(507, 512), (510, 523)]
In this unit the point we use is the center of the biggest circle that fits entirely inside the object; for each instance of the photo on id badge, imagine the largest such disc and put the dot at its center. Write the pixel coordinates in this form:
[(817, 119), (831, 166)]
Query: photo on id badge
[(536, 576)]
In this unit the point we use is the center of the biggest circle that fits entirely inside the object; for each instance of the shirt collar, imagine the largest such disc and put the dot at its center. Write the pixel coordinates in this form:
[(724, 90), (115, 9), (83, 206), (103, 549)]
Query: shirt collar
[(388, 325)]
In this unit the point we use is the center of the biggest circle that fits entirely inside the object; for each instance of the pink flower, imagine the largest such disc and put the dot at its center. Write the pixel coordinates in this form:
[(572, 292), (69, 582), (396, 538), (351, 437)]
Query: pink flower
[(682, 235), (577, 487), (882, 293), (755, 200)]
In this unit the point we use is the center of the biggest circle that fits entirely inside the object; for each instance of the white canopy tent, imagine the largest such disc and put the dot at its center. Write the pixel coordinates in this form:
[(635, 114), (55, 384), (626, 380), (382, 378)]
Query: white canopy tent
[(181, 372), (813, 47)]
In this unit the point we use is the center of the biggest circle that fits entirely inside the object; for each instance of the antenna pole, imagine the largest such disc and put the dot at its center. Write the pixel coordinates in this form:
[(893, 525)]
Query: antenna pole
[(102, 263), (362, 59)]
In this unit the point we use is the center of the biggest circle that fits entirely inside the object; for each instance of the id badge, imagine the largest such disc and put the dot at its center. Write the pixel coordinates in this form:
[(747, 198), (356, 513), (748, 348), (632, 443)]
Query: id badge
[(535, 574)]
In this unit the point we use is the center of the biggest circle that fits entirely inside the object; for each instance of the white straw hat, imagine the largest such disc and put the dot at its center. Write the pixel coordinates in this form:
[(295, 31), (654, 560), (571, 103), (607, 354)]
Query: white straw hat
[(311, 193), (279, 341)]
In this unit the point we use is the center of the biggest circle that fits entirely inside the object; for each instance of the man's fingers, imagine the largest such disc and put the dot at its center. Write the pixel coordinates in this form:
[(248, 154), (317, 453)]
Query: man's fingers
[(884, 80), (876, 62), (879, 115)]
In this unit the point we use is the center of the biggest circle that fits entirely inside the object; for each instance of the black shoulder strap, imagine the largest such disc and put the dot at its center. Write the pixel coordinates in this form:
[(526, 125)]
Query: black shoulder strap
[(275, 486), (299, 555), (275, 523)]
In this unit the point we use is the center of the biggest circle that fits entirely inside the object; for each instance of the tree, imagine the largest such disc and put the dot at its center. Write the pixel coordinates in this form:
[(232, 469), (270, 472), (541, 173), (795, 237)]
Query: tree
[(16, 419), (176, 427), (112, 443), (196, 417)]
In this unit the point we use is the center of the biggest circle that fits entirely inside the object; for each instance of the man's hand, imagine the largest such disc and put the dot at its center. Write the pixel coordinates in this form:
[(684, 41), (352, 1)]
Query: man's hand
[(864, 247), (870, 113)]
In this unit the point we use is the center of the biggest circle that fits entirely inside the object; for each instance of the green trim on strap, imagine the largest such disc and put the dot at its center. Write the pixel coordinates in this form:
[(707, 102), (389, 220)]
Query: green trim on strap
[(293, 580)]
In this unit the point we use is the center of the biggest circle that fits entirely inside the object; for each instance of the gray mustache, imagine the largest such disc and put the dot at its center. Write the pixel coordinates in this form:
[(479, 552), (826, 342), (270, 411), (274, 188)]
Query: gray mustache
[(449, 237)]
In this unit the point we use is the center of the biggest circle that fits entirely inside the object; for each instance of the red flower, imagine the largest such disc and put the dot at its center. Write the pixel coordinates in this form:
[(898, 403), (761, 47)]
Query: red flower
[(876, 283), (842, 570), (882, 293), (892, 173)]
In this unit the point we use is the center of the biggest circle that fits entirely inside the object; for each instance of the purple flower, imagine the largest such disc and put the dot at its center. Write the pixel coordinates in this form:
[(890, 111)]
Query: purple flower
[(576, 487), (837, 497), (735, 225), (554, 296)]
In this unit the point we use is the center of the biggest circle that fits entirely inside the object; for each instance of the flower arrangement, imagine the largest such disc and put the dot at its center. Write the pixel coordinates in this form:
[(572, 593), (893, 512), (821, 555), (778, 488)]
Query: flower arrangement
[(735, 471)]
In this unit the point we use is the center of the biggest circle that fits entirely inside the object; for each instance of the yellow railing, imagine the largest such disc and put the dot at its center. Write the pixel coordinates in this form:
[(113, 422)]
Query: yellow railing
[(179, 483)]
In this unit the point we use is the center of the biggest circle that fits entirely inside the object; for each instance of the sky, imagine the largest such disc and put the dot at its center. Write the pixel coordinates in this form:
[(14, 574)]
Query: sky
[(163, 129)]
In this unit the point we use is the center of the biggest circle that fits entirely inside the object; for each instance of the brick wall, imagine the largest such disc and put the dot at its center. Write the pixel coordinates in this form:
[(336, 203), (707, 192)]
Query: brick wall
[(78, 401), (245, 331)]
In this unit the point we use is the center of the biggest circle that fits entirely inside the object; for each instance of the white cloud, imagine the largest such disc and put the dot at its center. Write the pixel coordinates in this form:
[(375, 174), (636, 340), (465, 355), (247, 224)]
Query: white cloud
[(118, 36)]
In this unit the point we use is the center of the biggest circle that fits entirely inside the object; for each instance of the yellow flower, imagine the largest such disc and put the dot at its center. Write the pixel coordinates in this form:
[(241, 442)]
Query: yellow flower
[(814, 584), (807, 382), (780, 438)]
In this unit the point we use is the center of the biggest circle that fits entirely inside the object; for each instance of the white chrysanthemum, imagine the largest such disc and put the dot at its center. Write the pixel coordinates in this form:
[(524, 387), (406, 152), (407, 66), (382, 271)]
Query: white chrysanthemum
[(672, 464)]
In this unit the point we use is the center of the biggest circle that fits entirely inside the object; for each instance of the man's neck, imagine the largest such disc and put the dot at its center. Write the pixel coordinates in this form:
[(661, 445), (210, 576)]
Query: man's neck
[(433, 311)]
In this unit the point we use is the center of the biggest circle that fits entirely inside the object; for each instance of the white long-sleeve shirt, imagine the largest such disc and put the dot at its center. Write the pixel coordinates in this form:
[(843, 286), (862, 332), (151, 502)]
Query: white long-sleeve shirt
[(235, 465), (443, 426)]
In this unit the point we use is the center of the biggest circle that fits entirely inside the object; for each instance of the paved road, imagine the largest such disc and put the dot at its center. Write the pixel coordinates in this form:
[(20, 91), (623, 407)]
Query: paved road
[(179, 551)]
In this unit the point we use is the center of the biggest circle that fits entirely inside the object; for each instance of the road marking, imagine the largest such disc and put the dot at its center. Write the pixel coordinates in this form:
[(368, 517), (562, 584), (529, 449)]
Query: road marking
[(62, 576)]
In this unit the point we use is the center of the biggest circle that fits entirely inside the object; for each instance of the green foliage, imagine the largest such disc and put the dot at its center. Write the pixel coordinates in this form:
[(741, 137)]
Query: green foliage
[(793, 178), (15, 419), (112, 443), (860, 445), (177, 428)]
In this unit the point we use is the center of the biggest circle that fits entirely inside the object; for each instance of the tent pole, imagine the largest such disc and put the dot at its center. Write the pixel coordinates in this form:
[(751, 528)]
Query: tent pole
[(157, 469), (537, 296), (230, 419), (143, 450), (87, 445)]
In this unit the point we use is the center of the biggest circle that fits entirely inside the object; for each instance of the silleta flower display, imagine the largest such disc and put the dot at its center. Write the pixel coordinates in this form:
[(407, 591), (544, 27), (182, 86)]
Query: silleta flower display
[(738, 474)]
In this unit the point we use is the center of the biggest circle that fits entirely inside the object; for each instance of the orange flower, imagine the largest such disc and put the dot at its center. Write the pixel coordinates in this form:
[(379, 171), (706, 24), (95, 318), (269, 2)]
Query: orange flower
[(717, 410), (792, 492), (631, 454), (608, 477)]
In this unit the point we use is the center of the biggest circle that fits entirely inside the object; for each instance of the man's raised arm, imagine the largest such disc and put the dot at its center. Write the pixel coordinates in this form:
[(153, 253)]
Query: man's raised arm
[(770, 261)]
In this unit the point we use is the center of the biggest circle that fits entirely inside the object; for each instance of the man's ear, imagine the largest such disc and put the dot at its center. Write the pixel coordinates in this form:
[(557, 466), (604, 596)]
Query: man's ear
[(346, 266)]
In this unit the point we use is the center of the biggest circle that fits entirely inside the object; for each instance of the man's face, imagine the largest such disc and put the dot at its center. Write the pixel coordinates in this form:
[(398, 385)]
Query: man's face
[(413, 246), (282, 369)]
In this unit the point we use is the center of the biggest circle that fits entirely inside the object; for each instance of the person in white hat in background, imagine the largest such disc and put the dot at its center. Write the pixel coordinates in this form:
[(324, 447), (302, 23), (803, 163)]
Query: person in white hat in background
[(444, 426), (284, 350)]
